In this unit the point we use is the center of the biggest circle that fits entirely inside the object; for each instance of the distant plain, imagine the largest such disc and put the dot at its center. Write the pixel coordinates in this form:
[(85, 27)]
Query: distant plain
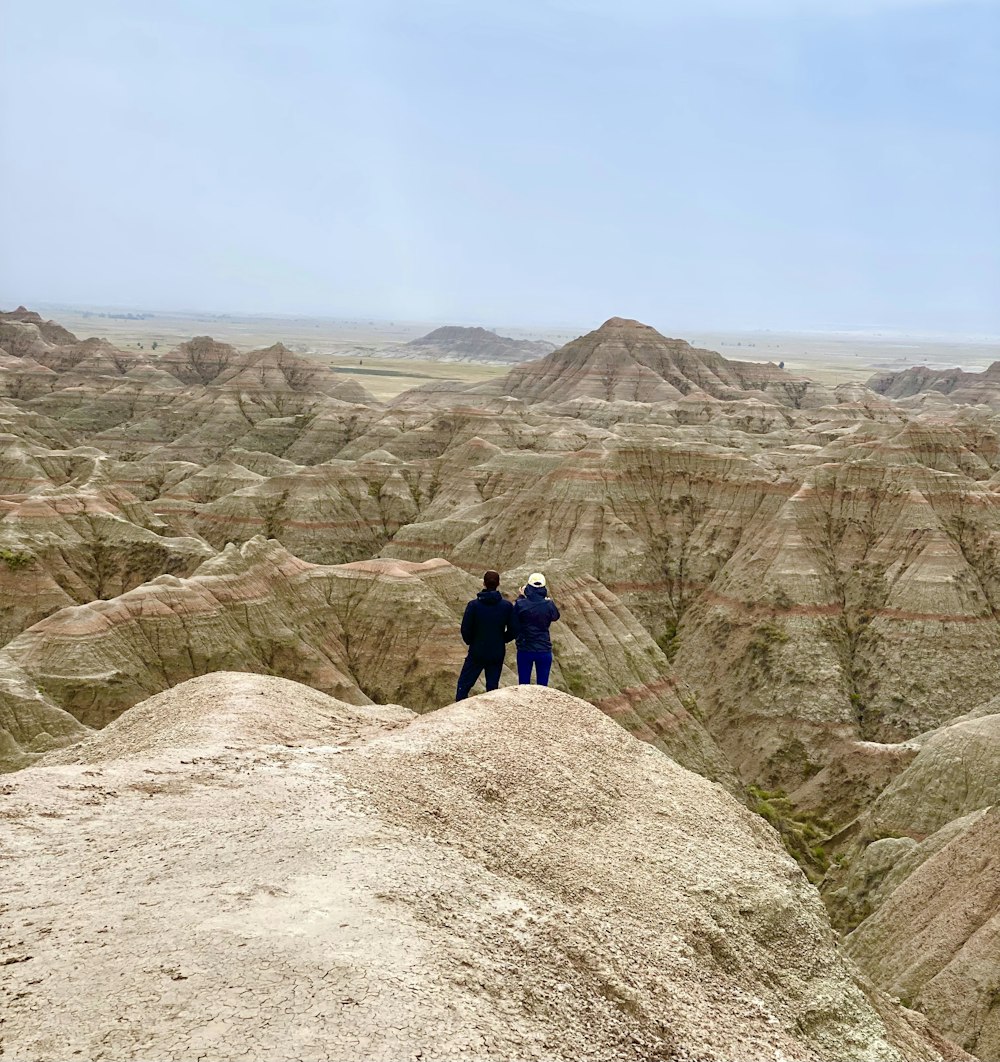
[(365, 349)]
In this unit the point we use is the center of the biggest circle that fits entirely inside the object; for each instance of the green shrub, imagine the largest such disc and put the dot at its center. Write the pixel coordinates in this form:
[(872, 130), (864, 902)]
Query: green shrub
[(690, 703), (15, 560), (766, 637), (667, 641), (801, 833), (781, 600)]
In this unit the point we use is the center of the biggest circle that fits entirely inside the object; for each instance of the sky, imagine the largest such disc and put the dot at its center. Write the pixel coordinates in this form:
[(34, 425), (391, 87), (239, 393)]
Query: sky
[(727, 164)]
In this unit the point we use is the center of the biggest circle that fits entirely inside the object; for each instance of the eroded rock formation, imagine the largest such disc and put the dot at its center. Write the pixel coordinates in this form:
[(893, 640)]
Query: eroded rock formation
[(790, 590)]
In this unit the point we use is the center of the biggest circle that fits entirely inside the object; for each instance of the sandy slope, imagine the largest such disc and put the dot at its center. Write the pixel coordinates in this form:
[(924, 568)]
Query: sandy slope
[(242, 867)]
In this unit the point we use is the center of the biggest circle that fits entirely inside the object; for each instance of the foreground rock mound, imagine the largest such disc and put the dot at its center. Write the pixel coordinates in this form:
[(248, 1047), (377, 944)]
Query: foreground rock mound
[(226, 708), (511, 877)]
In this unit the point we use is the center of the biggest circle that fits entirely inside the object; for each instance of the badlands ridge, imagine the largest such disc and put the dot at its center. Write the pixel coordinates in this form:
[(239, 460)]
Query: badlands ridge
[(788, 593)]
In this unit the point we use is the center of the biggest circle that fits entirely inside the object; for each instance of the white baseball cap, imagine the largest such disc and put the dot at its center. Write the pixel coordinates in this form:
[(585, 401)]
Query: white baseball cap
[(536, 579)]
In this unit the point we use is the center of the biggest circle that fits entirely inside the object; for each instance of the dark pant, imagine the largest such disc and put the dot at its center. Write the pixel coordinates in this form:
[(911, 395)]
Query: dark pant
[(542, 663), (472, 669)]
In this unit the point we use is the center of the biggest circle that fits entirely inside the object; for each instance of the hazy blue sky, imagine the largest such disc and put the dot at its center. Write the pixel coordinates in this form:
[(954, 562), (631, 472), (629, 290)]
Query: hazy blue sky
[(713, 163)]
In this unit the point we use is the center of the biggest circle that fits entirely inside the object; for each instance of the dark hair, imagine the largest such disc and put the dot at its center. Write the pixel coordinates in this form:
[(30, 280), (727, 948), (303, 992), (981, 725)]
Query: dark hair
[(491, 580)]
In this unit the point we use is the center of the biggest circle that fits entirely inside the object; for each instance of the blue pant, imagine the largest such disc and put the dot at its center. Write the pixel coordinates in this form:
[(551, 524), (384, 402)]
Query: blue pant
[(472, 669), (542, 662)]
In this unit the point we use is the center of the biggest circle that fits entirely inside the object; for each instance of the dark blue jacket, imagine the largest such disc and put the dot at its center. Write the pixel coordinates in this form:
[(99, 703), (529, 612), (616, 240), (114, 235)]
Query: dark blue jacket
[(486, 625), (532, 615)]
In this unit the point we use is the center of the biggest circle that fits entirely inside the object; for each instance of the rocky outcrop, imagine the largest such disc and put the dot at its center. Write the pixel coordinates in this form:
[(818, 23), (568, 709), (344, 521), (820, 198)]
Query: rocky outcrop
[(959, 386), (71, 535), (30, 723), (513, 876), (271, 371), (933, 938), (330, 513), (767, 550), (918, 882)]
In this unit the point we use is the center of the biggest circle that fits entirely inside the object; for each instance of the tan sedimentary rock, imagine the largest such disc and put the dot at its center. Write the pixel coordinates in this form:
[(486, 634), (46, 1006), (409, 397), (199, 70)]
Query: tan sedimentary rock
[(774, 550), (513, 876), (71, 535), (327, 513), (70, 530), (272, 371), (30, 724), (775, 591), (30, 426), (918, 881), (24, 378), (956, 771)]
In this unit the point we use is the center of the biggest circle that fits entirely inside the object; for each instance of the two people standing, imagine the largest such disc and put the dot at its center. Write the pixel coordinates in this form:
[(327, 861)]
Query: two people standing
[(491, 621)]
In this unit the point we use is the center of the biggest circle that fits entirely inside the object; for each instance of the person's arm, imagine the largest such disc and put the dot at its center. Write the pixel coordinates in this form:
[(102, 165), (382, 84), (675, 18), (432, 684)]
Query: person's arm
[(509, 633), (469, 623), (555, 610)]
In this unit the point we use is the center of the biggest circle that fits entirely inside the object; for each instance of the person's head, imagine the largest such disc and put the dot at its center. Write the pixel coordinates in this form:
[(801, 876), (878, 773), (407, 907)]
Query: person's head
[(537, 580), (491, 580)]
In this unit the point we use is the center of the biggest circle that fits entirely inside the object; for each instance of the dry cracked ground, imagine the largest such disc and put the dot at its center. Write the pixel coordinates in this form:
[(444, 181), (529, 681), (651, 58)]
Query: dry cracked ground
[(780, 638)]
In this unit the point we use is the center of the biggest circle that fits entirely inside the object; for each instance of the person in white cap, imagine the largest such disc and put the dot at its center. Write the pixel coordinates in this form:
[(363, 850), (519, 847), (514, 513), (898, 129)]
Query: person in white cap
[(534, 613)]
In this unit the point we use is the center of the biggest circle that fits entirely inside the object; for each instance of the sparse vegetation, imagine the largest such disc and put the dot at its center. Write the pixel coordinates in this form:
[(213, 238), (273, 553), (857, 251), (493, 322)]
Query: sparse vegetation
[(690, 703), (801, 833), (760, 649), (15, 559), (272, 511), (667, 640), (793, 760), (782, 601)]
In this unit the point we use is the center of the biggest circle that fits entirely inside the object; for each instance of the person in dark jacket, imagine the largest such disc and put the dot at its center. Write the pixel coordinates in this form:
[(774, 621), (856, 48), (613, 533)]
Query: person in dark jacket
[(534, 612), (486, 630)]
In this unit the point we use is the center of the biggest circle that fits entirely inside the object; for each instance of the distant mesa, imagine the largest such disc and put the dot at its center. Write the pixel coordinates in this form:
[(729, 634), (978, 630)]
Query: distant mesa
[(478, 344)]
